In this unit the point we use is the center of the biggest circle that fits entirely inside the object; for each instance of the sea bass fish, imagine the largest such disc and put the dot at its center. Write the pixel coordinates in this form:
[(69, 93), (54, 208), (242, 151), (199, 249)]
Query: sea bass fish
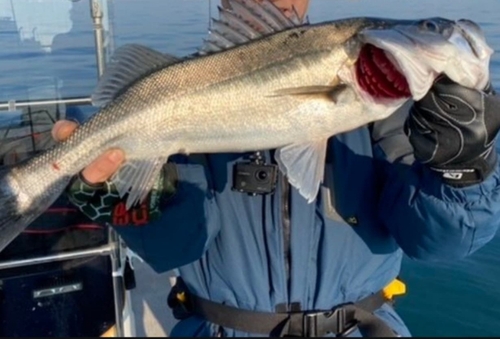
[(261, 81)]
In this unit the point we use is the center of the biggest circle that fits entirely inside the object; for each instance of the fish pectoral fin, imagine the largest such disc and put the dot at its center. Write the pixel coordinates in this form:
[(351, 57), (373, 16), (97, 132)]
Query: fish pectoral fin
[(137, 178), (331, 93), (128, 64), (304, 165)]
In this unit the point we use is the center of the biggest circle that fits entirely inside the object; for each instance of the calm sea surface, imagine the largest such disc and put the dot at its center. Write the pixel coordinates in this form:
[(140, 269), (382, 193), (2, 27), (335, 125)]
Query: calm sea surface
[(47, 47)]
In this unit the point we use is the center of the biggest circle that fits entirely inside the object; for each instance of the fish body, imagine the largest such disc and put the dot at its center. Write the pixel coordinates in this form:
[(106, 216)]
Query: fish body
[(288, 90)]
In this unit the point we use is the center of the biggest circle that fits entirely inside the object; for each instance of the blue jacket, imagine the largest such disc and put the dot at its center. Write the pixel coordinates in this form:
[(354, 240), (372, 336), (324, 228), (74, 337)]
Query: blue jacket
[(375, 203)]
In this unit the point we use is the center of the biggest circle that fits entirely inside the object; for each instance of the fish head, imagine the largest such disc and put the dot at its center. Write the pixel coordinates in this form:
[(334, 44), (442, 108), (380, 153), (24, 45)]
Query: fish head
[(400, 59)]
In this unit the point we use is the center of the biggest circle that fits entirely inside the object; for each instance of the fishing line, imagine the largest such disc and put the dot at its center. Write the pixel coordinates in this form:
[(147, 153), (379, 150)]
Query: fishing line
[(209, 14)]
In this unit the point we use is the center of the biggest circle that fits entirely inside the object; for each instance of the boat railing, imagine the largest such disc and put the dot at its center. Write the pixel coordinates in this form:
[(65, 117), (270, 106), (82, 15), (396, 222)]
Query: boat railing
[(13, 105), (115, 247)]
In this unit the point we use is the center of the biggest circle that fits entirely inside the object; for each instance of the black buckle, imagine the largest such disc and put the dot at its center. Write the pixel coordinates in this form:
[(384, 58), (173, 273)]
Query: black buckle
[(340, 322), (180, 308)]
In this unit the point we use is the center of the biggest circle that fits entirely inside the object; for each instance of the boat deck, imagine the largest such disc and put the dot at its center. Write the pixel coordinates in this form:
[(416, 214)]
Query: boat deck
[(153, 318)]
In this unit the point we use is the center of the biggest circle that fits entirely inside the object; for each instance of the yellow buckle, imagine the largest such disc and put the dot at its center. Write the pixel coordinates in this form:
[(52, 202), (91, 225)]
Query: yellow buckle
[(181, 297), (110, 333), (395, 288)]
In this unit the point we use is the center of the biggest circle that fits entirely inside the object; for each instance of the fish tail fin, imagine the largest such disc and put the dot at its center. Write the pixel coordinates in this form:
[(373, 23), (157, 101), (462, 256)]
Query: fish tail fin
[(21, 204)]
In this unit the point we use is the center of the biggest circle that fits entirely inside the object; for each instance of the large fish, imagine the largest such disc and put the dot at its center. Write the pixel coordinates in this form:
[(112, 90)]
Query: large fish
[(263, 83)]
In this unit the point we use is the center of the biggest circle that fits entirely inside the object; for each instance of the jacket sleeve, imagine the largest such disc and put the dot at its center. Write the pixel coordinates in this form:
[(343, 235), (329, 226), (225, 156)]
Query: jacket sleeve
[(429, 219), (182, 232)]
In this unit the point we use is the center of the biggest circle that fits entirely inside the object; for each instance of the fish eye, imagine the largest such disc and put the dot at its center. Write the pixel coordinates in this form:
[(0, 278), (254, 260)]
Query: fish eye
[(429, 25)]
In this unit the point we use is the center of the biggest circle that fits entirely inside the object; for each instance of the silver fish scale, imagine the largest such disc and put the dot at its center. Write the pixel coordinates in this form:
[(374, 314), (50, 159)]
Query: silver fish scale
[(239, 83)]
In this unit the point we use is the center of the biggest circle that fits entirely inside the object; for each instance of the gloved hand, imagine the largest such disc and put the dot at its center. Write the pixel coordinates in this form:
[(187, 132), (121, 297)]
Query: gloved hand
[(453, 130), (102, 204), (98, 199)]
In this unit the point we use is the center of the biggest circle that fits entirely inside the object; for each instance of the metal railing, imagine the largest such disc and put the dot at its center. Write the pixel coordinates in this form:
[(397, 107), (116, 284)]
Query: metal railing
[(12, 105), (102, 250)]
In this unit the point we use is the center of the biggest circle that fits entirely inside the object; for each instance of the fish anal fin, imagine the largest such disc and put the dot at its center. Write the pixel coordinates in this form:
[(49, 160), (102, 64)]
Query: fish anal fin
[(136, 178)]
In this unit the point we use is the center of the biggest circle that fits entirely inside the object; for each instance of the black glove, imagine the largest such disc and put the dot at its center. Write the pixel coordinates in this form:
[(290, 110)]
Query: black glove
[(102, 204), (453, 130)]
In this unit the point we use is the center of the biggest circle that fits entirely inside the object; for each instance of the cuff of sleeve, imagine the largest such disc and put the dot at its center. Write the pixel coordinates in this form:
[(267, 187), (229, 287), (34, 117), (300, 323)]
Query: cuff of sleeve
[(435, 186), (80, 190), (471, 173)]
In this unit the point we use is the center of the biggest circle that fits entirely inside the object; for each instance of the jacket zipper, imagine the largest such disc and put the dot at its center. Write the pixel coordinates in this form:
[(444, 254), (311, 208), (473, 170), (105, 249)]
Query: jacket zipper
[(285, 217)]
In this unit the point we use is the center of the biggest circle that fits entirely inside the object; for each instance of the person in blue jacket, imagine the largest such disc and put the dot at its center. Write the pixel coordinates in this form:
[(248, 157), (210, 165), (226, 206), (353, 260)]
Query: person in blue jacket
[(425, 182)]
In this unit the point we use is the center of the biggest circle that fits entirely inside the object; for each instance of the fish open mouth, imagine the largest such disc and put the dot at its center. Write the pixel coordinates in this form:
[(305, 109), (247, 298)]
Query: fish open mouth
[(378, 76)]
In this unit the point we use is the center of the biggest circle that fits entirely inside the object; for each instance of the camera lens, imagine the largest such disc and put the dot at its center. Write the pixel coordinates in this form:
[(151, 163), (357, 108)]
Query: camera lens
[(261, 175)]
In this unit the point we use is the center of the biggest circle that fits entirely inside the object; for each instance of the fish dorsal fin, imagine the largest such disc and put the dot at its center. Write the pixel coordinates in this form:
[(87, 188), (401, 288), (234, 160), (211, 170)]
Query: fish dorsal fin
[(128, 64), (246, 20)]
